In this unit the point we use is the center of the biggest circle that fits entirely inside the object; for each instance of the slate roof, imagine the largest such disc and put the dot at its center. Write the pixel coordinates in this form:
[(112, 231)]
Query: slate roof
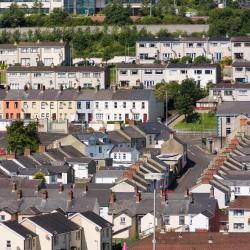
[(41, 44), (140, 66), (122, 149), (109, 173), (219, 39), (71, 151), (54, 223), (191, 65), (241, 64), (10, 166), (115, 137), (19, 229), (132, 132), (233, 108), (152, 127), (98, 220), (85, 160), (158, 39), (48, 138), (7, 46), (231, 86), (27, 162), (245, 150), (240, 39)]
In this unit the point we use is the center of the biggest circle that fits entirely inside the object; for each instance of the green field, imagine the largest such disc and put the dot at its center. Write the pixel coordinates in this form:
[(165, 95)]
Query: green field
[(204, 122)]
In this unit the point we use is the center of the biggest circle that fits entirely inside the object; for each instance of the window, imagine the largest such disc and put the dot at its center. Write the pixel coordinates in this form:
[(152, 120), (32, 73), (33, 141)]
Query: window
[(96, 75), (200, 44), (228, 120), (87, 105), (242, 91), (143, 105), (60, 105), (151, 45), (122, 220), (136, 116), (238, 212), (123, 72), (106, 105), (124, 105), (148, 71), (2, 217), (134, 72), (25, 61), (120, 117), (133, 105), (124, 156), (142, 45), (166, 44), (43, 105), (228, 92), (100, 149), (198, 72), (70, 105), (228, 131), (158, 72), (18, 116), (181, 220), (190, 45), (237, 190), (115, 156), (208, 72), (16, 105), (25, 105), (238, 225), (183, 71), (97, 105), (115, 117), (167, 220), (52, 105), (8, 243), (71, 75), (239, 69), (99, 116), (61, 75), (237, 44), (79, 105), (216, 92), (115, 105), (48, 61), (78, 235), (150, 139)]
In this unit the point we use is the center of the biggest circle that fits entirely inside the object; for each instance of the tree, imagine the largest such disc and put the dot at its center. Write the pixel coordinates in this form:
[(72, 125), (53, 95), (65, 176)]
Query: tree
[(20, 136), (37, 6), (189, 93), (117, 14), (13, 17), (57, 17), (186, 59), (39, 176), (201, 59), (145, 8)]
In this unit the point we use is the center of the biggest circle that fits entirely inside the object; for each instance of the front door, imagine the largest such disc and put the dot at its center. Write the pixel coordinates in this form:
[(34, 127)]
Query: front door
[(145, 117), (89, 117), (126, 117)]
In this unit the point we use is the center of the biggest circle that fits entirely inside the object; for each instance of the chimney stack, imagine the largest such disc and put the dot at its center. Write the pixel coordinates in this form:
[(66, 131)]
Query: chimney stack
[(70, 195), (14, 187), (112, 198), (163, 195), (27, 152), (61, 188), (85, 188), (45, 195), (41, 148), (211, 192), (19, 195), (186, 193), (138, 197)]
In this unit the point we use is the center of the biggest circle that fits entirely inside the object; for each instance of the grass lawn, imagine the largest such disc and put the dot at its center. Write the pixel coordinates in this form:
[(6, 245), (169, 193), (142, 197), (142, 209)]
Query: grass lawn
[(208, 120)]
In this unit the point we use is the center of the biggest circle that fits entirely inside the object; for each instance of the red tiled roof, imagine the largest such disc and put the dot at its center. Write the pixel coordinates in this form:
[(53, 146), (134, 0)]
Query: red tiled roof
[(241, 202), (196, 241)]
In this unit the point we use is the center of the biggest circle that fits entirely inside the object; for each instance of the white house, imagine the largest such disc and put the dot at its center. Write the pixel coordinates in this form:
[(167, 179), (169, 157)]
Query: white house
[(240, 48), (241, 71), (53, 77), (34, 53), (84, 167), (16, 236), (124, 156), (108, 176), (239, 214), (97, 232)]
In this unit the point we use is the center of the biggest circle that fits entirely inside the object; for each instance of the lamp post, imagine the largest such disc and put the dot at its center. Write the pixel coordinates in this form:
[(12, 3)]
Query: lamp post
[(154, 177)]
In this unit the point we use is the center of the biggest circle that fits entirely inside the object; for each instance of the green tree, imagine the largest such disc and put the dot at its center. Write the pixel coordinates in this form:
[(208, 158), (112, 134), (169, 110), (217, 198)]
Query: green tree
[(20, 136), (186, 59), (39, 176), (201, 59), (145, 8), (189, 93), (13, 17), (37, 7), (57, 17), (117, 14)]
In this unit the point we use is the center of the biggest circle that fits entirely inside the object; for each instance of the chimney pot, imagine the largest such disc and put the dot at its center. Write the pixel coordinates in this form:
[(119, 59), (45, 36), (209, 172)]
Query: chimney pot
[(27, 152), (14, 187), (41, 148), (211, 192)]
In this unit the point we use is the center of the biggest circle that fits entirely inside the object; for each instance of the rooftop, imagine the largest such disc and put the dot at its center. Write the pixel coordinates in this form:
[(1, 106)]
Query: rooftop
[(98, 220), (241, 202), (233, 108)]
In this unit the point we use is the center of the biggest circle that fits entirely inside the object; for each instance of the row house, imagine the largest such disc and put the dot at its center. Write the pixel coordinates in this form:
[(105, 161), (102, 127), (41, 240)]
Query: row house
[(54, 77), (150, 49), (241, 72), (119, 106), (148, 75), (35, 53)]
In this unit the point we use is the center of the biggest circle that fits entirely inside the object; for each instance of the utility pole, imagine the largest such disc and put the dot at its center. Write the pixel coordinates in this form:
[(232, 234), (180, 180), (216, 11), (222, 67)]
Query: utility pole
[(166, 108)]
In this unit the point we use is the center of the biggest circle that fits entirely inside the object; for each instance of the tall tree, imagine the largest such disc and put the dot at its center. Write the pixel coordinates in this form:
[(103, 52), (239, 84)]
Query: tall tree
[(20, 136)]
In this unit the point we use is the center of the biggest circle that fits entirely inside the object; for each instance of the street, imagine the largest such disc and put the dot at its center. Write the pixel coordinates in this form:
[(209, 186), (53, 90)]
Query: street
[(198, 160)]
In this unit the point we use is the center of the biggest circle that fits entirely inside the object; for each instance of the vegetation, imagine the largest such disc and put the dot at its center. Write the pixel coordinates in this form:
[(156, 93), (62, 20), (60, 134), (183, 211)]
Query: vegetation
[(21, 136), (200, 122), (40, 176)]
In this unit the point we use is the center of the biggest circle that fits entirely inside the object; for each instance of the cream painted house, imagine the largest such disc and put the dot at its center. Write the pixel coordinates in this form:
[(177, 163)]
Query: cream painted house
[(96, 233), (55, 232), (241, 71), (14, 236), (53, 77)]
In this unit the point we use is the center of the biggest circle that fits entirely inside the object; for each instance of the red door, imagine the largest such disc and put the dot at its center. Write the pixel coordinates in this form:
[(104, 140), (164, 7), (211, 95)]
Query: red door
[(126, 117), (145, 117)]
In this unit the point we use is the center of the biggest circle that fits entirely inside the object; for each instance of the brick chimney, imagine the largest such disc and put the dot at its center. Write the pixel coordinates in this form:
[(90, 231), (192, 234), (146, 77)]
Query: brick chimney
[(112, 198), (14, 216), (45, 195), (41, 148), (211, 195), (70, 195), (14, 187), (19, 195), (26, 152), (138, 197), (61, 188)]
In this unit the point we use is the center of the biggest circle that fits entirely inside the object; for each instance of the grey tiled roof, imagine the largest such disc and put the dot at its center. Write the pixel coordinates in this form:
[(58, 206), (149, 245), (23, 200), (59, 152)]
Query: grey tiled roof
[(241, 64), (109, 173), (152, 127), (140, 66), (98, 220), (55, 223), (10, 166), (41, 44), (19, 229), (191, 65), (231, 86), (233, 108), (116, 137)]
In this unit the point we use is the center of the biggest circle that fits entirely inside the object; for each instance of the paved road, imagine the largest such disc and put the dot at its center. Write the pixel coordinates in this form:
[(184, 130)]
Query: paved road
[(198, 161)]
